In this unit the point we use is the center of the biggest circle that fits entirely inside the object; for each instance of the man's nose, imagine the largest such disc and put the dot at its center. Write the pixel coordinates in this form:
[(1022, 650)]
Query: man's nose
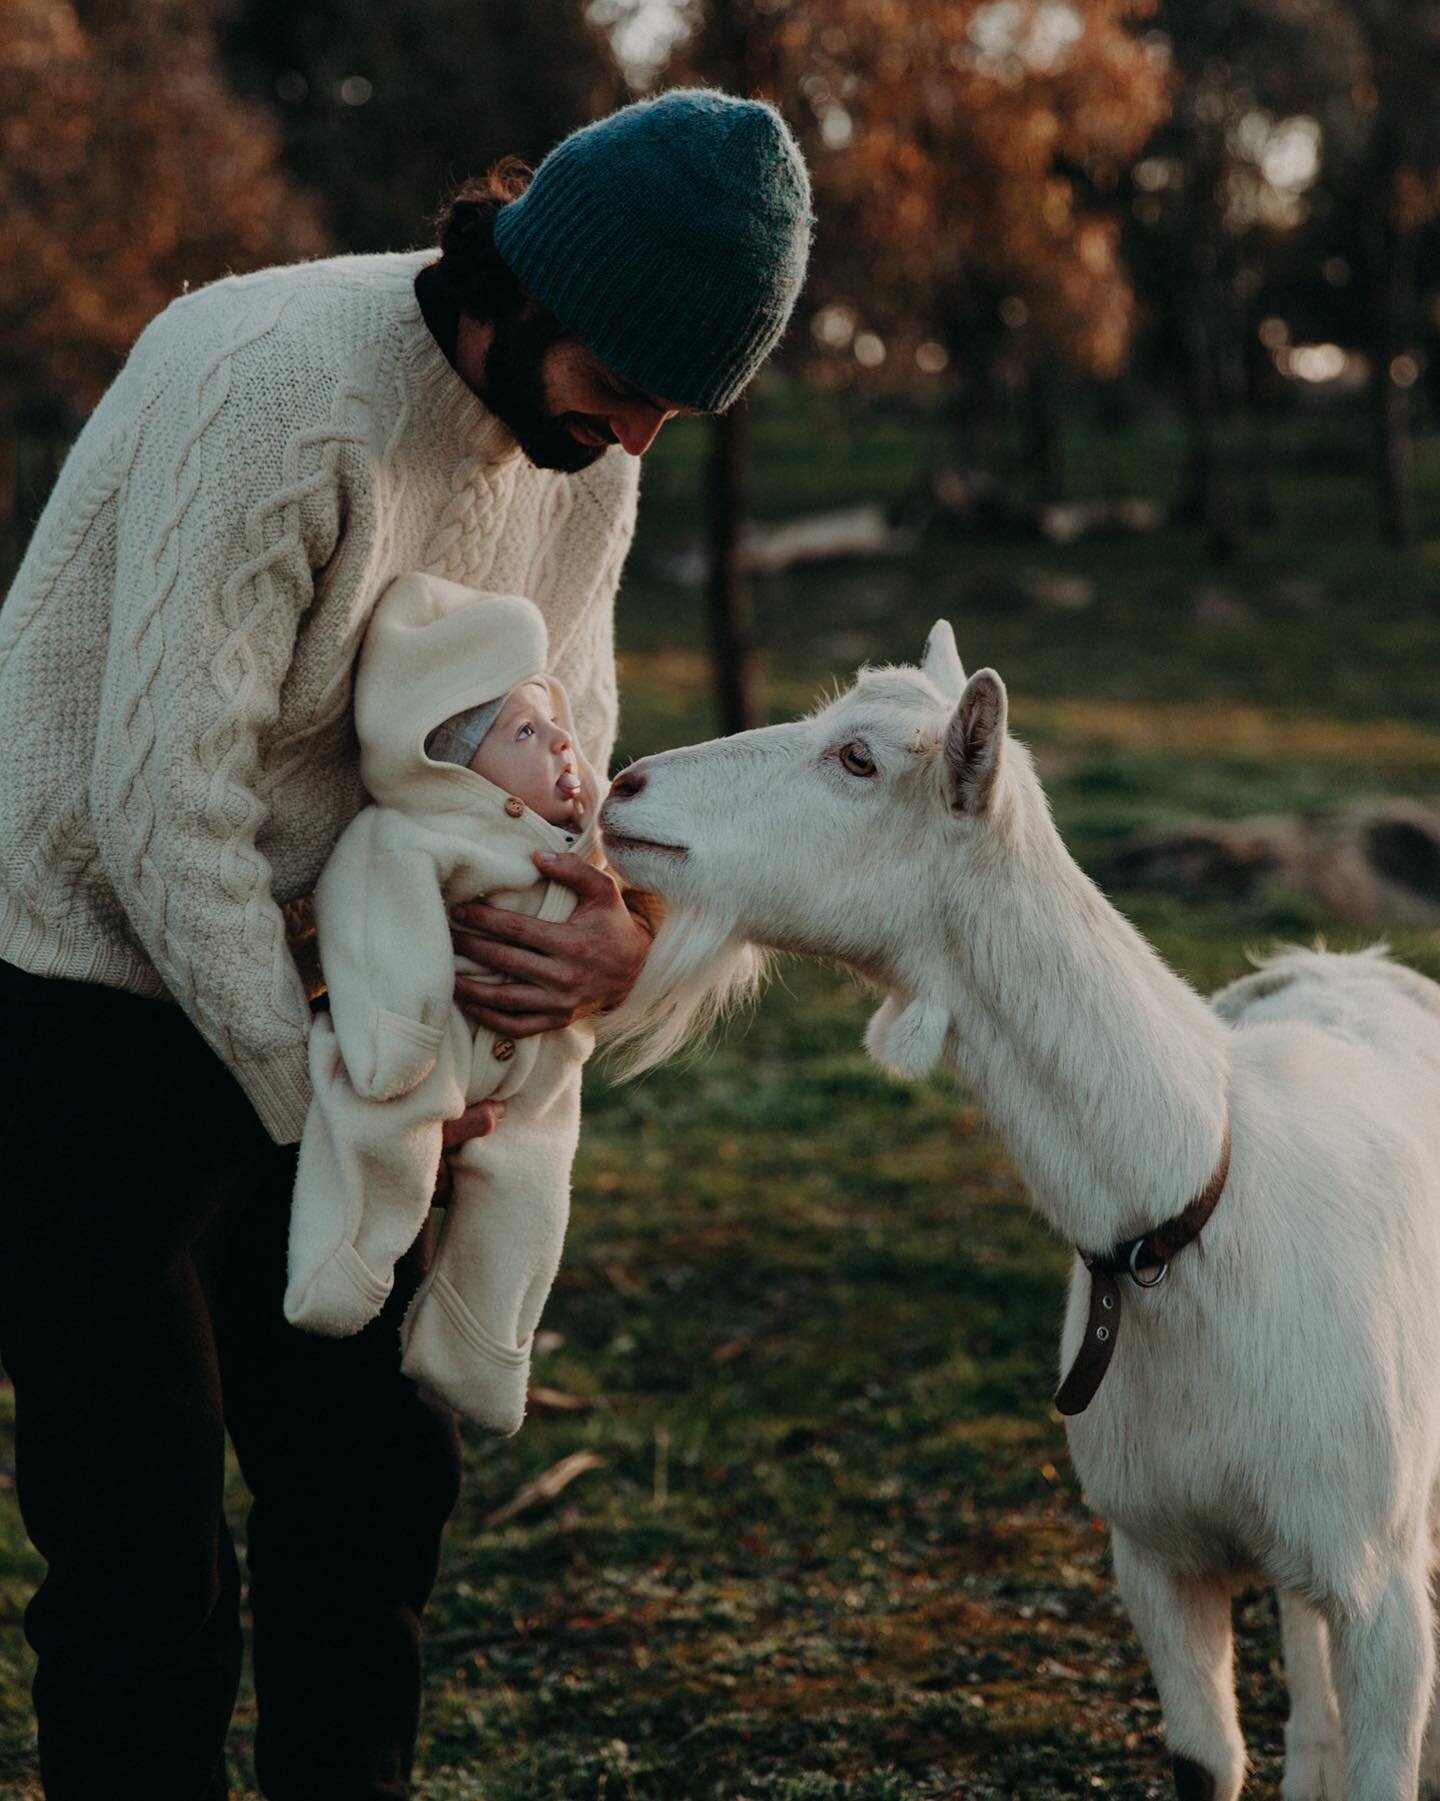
[(637, 428)]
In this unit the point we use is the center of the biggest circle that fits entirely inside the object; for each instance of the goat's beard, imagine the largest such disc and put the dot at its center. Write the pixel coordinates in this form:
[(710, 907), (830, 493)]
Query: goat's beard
[(698, 970)]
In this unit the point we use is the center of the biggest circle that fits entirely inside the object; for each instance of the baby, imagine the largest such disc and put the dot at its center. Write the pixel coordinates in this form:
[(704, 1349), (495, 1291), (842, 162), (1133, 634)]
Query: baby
[(469, 755)]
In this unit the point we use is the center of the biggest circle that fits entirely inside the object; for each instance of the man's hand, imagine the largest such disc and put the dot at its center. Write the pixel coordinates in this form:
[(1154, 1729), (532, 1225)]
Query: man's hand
[(553, 974), (478, 1121)]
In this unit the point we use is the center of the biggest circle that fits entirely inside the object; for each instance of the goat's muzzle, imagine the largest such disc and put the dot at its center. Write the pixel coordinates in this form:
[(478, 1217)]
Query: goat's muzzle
[(628, 783)]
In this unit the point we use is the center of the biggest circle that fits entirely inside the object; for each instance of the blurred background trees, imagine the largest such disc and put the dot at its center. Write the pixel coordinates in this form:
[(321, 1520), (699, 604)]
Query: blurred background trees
[(1120, 349), (128, 169), (383, 110), (1029, 211)]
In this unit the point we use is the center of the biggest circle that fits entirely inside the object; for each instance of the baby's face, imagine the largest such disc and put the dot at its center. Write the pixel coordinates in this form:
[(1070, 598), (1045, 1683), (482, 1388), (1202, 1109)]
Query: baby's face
[(528, 753)]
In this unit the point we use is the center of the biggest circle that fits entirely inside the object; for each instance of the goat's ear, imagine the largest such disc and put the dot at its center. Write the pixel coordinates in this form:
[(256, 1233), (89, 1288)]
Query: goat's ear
[(975, 742), (941, 661), (907, 1037)]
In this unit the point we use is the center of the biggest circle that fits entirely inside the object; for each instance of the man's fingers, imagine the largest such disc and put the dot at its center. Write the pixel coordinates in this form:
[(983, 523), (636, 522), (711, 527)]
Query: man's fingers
[(503, 998), (521, 1025), (478, 1121), (475, 919), (574, 872), (512, 960)]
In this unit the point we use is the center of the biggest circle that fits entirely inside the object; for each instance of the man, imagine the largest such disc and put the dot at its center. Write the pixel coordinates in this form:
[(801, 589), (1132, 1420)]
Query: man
[(175, 667)]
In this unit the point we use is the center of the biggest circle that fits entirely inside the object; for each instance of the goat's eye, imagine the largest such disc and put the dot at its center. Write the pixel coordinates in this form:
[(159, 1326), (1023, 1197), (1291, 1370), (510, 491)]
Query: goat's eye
[(856, 759)]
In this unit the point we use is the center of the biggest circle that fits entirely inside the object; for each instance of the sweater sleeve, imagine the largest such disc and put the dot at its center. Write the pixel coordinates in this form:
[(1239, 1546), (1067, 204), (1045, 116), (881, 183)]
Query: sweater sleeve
[(230, 505)]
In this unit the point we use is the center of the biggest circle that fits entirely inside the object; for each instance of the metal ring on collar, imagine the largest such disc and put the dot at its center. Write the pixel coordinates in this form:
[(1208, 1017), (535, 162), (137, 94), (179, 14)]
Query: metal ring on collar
[(1146, 1281)]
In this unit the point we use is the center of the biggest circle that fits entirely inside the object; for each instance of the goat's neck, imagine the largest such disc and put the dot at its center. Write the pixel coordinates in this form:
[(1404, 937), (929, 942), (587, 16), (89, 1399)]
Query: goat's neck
[(1105, 1073)]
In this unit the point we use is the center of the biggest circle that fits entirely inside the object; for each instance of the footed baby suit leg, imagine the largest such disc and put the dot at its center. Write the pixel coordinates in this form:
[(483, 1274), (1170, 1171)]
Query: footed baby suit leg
[(1184, 1625), (467, 1336), (363, 1187), (1314, 1743), (1384, 1663)]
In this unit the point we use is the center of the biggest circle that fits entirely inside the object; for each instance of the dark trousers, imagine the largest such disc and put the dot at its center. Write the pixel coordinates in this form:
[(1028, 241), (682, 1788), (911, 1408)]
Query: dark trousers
[(143, 1219)]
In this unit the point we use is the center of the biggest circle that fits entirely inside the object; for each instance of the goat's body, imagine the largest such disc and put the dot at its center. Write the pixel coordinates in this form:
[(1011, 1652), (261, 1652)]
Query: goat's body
[(1288, 1371), (1273, 1411), (1273, 1408)]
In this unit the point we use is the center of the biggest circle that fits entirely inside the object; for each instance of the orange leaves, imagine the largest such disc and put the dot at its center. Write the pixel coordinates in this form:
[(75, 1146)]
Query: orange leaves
[(971, 122), (126, 171), (1414, 198)]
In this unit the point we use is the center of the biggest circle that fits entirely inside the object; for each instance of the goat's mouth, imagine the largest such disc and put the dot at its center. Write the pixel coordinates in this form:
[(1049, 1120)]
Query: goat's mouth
[(624, 843)]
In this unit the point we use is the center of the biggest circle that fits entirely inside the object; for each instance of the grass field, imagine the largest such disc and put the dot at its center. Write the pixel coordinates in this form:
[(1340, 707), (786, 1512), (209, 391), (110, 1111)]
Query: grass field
[(829, 1545)]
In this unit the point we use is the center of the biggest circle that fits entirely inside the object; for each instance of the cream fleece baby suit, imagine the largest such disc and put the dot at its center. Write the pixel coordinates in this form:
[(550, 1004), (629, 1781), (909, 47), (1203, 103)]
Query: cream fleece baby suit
[(396, 1058), (177, 648)]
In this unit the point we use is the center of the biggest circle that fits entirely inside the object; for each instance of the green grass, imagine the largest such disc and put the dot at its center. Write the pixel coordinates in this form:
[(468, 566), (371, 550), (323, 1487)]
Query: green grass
[(834, 1548)]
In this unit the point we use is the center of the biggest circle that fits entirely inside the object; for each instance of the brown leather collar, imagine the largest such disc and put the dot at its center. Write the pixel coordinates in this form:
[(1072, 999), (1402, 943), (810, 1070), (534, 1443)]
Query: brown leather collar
[(1152, 1251)]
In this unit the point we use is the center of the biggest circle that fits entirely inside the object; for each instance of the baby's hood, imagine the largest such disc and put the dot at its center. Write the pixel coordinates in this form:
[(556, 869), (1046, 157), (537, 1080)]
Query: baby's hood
[(435, 649)]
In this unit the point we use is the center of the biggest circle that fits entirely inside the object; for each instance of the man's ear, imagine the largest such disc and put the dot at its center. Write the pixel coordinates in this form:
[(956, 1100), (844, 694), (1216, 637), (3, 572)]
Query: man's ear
[(975, 743), (941, 661), (907, 1037)]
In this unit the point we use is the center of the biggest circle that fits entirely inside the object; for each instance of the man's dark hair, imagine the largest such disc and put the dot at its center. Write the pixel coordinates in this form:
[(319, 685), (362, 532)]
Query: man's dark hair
[(471, 276)]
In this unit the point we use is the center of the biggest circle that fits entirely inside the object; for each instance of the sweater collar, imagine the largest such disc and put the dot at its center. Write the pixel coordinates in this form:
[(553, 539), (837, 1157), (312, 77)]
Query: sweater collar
[(451, 401)]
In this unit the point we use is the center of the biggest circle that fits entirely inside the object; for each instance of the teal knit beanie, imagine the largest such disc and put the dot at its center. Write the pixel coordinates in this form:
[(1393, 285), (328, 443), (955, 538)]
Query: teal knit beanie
[(670, 239)]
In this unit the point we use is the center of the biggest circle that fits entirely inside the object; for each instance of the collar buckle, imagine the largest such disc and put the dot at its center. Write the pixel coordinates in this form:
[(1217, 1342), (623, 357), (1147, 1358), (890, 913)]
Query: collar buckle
[(1151, 1280)]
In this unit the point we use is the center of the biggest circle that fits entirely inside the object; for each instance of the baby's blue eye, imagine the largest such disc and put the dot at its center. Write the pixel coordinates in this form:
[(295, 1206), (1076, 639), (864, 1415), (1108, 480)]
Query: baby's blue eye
[(526, 731)]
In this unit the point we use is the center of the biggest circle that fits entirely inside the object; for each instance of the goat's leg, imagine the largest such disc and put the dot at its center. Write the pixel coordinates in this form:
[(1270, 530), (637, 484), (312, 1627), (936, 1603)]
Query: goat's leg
[(1384, 1663), (1314, 1745), (1430, 1746), (1184, 1625)]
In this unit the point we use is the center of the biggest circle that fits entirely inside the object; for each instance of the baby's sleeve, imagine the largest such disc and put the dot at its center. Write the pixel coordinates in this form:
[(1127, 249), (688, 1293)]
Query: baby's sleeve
[(385, 948)]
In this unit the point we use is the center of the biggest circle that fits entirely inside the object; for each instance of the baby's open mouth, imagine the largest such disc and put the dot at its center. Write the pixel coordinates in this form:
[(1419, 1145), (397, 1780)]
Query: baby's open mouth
[(568, 786)]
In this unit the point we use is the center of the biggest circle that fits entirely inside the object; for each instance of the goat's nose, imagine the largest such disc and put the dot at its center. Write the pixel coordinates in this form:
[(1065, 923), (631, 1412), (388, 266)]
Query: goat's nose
[(628, 783)]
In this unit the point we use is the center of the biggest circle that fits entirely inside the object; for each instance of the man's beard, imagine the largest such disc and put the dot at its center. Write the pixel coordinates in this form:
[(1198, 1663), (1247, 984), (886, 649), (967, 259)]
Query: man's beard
[(515, 393)]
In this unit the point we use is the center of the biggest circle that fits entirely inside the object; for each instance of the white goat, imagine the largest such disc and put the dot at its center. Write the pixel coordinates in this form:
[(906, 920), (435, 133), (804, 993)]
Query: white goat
[(1273, 1408)]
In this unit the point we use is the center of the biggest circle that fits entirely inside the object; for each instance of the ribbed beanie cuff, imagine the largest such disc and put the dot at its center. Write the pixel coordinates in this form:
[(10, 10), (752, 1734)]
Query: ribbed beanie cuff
[(671, 238)]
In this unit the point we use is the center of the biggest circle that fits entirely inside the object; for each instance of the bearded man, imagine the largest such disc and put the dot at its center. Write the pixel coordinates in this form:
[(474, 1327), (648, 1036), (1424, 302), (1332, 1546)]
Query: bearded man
[(176, 657)]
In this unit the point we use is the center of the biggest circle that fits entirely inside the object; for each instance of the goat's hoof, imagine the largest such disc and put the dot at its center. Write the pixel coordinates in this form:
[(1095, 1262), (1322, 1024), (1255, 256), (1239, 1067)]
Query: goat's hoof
[(1314, 1772), (1193, 1782)]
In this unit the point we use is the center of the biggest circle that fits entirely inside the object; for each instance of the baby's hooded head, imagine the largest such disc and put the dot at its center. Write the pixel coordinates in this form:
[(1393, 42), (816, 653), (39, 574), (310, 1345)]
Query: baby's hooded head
[(519, 742)]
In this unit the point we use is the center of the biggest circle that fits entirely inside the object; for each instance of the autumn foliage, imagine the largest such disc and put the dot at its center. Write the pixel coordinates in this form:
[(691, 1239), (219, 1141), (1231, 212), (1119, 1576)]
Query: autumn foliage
[(978, 141), (127, 171)]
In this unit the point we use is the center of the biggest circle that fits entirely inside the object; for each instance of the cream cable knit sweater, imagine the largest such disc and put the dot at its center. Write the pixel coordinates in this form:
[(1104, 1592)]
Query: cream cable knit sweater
[(177, 649)]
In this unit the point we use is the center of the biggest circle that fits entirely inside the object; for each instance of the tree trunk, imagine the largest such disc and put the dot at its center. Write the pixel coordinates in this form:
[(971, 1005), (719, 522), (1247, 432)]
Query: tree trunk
[(9, 476), (978, 412), (1209, 498), (1260, 510), (1392, 260), (728, 586), (1225, 520), (10, 548), (1042, 412)]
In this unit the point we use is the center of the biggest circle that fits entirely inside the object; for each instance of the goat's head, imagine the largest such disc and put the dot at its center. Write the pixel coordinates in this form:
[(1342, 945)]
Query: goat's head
[(842, 835)]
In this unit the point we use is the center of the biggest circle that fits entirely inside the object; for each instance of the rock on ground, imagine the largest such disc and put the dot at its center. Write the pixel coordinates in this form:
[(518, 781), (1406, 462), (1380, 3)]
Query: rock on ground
[(1376, 864)]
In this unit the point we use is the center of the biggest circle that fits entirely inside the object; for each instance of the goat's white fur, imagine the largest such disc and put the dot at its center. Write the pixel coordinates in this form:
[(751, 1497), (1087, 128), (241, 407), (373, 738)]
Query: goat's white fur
[(1274, 1408)]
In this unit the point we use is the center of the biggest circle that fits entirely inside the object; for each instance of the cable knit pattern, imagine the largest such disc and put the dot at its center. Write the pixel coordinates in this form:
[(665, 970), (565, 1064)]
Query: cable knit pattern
[(176, 653)]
